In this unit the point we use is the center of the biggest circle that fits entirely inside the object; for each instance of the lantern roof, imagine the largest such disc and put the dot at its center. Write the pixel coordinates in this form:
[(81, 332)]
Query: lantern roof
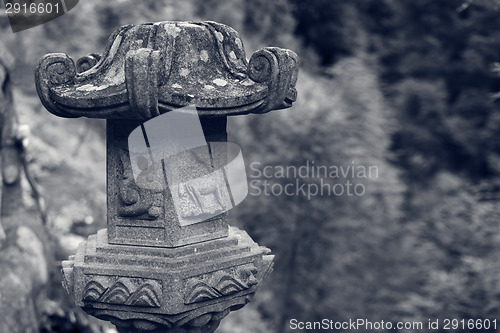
[(149, 69)]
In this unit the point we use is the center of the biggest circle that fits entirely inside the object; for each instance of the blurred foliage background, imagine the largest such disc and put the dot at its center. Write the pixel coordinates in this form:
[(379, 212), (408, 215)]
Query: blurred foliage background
[(407, 86)]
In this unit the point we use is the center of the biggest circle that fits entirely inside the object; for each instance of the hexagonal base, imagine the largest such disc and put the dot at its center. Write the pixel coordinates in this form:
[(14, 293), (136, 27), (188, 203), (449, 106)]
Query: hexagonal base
[(183, 289)]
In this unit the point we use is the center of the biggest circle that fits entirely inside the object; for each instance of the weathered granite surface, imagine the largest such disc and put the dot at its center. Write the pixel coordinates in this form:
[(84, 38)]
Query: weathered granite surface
[(148, 271)]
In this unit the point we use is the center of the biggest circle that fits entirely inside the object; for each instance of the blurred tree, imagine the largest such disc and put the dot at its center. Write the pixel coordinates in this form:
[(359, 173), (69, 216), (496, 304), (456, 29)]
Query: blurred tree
[(435, 62), (329, 258), (454, 241), (434, 59)]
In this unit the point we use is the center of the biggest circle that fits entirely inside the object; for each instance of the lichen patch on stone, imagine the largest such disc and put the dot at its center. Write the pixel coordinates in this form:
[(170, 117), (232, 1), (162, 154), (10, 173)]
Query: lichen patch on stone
[(90, 87), (172, 30), (220, 37), (220, 82), (247, 82), (204, 55), (138, 43), (238, 43)]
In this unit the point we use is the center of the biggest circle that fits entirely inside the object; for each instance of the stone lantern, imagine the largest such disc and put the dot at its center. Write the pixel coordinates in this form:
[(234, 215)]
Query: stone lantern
[(149, 271)]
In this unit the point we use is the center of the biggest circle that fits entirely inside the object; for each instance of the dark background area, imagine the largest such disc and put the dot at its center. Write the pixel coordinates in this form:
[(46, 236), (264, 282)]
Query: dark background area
[(406, 86)]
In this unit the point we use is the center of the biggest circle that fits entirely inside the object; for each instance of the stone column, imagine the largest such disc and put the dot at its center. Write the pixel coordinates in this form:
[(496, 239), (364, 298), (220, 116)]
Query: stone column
[(149, 271)]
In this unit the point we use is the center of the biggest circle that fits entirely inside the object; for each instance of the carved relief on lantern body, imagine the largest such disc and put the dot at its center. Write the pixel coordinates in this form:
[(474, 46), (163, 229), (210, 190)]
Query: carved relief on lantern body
[(165, 215)]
